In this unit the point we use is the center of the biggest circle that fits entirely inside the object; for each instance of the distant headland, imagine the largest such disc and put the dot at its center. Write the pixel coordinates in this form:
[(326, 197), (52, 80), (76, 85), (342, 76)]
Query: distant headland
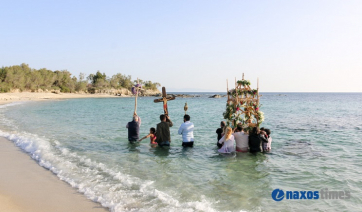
[(22, 78)]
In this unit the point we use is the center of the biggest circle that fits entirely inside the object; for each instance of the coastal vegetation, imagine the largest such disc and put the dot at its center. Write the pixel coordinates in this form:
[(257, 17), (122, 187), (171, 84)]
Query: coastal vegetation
[(23, 78)]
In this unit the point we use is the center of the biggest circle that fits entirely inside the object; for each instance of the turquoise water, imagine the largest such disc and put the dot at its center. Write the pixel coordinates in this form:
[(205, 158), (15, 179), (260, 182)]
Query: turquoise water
[(316, 144)]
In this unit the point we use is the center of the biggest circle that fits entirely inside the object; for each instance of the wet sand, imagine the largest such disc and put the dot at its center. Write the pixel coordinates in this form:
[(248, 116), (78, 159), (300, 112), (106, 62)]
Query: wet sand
[(24, 185), (27, 187)]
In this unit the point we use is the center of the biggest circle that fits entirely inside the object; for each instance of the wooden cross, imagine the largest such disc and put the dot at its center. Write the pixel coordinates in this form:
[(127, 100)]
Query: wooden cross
[(164, 99)]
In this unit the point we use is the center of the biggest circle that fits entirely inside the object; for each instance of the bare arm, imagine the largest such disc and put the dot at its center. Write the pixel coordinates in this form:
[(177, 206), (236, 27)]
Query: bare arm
[(139, 118), (222, 140), (263, 139), (147, 136), (139, 121)]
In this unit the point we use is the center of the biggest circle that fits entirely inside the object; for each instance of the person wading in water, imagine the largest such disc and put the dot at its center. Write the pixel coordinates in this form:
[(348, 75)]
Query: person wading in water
[(134, 128), (163, 131)]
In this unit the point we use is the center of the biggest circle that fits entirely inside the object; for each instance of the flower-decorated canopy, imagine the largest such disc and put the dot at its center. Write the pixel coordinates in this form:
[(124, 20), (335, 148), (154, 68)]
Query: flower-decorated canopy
[(243, 106)]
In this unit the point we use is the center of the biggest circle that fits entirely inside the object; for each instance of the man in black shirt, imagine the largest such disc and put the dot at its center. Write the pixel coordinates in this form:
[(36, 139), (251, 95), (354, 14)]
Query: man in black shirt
[(134, 129), (256, 140), (219, 132)]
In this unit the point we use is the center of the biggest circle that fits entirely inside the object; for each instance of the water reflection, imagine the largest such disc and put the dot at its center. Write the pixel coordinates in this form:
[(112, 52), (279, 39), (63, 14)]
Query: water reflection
[(133, 147), (161, 151)]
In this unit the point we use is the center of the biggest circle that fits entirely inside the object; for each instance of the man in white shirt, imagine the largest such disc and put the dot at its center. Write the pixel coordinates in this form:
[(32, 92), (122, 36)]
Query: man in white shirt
[(187, 131), (241, 140)]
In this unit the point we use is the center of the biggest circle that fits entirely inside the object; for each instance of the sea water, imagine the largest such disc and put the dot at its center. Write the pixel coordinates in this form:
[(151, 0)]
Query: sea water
[(316, 144)]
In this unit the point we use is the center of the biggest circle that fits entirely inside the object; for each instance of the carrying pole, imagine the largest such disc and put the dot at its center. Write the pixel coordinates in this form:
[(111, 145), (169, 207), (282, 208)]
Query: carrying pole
[(135, 103)]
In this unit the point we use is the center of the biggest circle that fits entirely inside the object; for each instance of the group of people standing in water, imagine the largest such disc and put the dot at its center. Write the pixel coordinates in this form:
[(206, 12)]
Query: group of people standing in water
[(257, 140), (161, 135)]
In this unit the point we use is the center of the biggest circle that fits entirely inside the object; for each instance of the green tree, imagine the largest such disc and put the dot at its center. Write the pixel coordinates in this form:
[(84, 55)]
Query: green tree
[(2, 74), (81, 84), (24, 78), (151, 85), (121, 81)]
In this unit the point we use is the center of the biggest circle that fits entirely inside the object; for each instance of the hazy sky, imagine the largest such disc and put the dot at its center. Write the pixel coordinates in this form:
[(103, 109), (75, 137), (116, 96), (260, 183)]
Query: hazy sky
[(292, 46)]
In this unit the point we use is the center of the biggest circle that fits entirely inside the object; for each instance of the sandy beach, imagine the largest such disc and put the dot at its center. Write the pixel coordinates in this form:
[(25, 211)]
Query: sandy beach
[(30, 96), (24, 185)]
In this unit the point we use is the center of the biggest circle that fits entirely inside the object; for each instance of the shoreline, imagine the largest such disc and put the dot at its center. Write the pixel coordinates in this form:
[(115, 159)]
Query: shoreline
[(26, 186), (6, 98)]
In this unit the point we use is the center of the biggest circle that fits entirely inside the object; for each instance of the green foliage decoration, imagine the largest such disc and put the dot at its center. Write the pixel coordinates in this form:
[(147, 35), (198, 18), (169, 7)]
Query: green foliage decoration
[(243, 82)]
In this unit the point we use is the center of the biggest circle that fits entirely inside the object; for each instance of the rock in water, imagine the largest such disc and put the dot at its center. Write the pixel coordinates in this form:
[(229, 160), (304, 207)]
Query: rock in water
[(215, 96)]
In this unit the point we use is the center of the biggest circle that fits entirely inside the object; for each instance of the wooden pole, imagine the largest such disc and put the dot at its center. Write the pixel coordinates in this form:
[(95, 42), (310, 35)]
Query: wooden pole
[(227, 89), (164, 98), (236, 94), (135, 103), (257, 102), (257, 93)]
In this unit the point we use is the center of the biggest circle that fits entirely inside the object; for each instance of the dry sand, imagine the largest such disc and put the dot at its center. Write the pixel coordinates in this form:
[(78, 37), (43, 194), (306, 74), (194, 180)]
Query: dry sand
[(29, 96), (27, 187)]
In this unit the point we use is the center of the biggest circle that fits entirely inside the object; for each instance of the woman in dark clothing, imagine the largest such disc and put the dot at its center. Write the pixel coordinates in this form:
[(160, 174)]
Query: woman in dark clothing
[(256, 140), (220, 133)]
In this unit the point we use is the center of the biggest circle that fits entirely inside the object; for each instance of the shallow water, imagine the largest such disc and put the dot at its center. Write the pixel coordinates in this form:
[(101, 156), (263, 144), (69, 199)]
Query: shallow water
[(316, 145)]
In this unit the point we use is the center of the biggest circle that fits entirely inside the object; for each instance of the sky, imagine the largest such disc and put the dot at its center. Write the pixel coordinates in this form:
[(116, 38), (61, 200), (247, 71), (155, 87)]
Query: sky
[(291, 46)]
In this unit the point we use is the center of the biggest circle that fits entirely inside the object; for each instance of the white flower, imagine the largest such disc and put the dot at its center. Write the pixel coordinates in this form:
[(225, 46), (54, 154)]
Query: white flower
[(261, 116)]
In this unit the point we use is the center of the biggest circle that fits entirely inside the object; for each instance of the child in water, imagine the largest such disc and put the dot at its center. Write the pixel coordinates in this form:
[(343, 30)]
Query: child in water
[(266, 135), (267, 131), (152, 136)]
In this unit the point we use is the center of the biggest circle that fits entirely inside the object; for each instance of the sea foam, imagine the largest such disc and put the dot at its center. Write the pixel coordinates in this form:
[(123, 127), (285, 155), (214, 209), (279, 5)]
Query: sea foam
[(114, 190)]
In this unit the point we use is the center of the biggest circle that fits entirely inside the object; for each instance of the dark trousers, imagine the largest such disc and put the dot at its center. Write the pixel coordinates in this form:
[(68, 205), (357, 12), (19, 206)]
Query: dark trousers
[(188, 144), (164, 143), (132, 140)]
